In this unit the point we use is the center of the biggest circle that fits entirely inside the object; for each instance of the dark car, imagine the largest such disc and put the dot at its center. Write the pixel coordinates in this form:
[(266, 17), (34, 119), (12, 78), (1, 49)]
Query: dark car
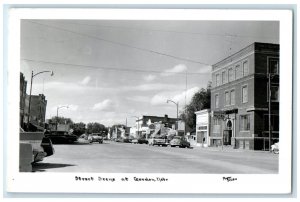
[(61, 137), (179, 141), (47, 146)]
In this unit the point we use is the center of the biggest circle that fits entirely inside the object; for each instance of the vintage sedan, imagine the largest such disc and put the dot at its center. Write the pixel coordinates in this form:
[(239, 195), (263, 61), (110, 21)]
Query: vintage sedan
[(275, 148), (179, 141)]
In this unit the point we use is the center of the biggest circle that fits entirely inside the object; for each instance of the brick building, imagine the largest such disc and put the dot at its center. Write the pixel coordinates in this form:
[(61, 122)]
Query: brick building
[(240, 98), (37, 110), (23, 87)]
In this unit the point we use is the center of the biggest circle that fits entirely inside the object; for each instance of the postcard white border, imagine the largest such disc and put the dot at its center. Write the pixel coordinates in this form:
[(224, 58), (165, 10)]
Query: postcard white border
[(177, 183)]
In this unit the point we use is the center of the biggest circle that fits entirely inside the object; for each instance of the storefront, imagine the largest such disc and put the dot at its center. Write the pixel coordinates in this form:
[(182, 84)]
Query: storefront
[(202, 136)]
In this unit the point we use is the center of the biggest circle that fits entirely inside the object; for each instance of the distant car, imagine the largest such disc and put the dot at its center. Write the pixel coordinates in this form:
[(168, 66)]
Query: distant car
[(179, 141), (134, 141), (159, 141), (96, 138), (142, 141), (275, 148)]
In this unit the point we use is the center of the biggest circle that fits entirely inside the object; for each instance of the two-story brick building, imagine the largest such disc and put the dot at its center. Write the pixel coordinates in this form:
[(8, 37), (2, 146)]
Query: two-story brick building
[(240, 98)]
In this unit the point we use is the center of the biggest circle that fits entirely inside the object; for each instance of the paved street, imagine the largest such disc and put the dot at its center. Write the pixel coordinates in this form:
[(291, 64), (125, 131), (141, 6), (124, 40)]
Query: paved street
[(112, 157)]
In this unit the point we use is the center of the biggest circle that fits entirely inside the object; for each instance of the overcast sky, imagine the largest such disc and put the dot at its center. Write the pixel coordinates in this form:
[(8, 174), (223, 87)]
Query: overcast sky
[(107, 71)]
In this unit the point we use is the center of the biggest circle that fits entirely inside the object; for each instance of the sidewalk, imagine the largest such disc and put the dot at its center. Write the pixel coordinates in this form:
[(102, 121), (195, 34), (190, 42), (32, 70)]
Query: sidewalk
[(225, 149)]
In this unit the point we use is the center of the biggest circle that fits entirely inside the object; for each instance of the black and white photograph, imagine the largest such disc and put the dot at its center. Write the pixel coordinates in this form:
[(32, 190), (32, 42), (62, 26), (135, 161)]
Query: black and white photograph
[(152, 97)]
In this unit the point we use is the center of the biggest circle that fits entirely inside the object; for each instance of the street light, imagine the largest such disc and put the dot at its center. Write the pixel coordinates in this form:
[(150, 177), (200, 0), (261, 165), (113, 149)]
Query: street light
[(32, 76), (57, 114), (176, 103)]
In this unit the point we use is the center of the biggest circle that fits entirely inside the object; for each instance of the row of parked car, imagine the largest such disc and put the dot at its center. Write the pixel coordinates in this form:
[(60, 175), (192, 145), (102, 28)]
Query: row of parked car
[(176, 141)]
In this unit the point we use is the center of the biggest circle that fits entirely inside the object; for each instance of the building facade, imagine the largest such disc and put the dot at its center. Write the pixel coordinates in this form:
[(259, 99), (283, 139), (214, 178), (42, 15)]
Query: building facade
[(202, 136), (143, 123), (37, 109), (240, 94), (23, 87)]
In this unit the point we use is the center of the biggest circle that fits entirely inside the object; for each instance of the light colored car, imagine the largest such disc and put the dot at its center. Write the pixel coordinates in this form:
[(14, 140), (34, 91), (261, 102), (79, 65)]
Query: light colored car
[(159, 141), (96, 138), (275, 148), (179, 141)]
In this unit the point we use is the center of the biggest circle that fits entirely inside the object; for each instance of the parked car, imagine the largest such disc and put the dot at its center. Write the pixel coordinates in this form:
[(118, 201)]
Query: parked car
[(96, 138), (180, 141), (159, 141), (47, 146), (275, 148), (61, 137), (142, 141)]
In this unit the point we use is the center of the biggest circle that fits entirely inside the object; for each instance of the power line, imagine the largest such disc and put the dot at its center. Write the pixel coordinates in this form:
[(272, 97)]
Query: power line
[(112, 68), (122, 44), (170, 31)]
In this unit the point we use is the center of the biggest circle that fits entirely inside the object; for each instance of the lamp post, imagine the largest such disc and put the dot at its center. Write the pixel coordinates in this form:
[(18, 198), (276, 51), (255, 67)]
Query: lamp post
[(176, 103), (29, 105), (138, 125), (57, 114)]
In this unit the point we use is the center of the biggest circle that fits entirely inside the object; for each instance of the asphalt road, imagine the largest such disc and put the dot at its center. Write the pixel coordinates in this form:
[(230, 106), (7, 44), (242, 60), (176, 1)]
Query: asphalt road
[(112, 157)]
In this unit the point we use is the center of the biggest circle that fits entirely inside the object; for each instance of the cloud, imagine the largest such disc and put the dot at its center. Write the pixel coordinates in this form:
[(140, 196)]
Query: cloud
[(86, 80), (137, 98), (205, 70), (73, 107), (150, 87), (186, 94), (158, 99), (182, 97), (105, 105), (149, 77), (176, 69)]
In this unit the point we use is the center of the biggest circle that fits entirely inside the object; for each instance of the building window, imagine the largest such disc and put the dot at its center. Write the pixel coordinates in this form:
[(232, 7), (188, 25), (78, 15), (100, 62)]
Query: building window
[(244, 94), (217, 79), (274, 122), (274, 93), (230, 75), (227, 98), (273, 66), (217, 101), (245, 68), (238, 71), (223, 77), (245, 122), (232, 97)]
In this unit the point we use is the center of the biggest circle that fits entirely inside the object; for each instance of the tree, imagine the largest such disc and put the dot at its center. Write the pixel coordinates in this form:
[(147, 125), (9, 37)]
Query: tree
[(61, 120), (200, 101), (78, 128), (96, 128)]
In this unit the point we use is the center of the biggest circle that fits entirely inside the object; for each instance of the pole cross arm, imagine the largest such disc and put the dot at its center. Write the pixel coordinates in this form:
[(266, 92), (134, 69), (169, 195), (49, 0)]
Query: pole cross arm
[(52, 73)]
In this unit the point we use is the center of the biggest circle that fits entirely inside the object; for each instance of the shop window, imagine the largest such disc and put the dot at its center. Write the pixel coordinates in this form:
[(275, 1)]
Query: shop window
[(245, 122)]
